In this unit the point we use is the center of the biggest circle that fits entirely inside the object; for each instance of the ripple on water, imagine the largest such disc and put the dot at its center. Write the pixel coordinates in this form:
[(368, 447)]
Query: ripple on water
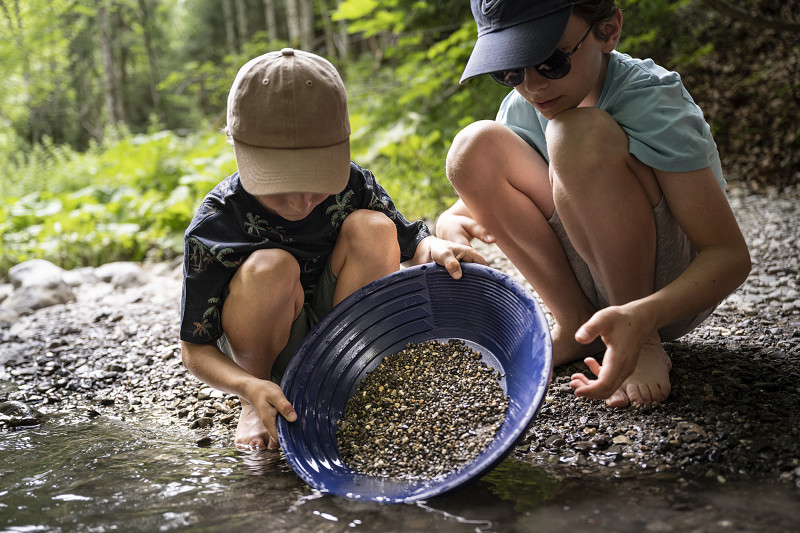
[(101, 474)]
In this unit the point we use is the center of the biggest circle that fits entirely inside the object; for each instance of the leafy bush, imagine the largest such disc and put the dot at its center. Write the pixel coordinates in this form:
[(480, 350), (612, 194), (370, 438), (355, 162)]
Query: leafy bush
[(130, 200), (405, 117)]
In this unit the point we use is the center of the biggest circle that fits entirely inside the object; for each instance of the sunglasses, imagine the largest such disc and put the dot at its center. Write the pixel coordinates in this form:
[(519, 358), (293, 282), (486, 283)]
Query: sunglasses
[(556, 67)]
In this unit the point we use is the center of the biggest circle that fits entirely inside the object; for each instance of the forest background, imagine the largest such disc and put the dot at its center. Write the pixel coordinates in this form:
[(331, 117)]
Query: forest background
[(111, 110)]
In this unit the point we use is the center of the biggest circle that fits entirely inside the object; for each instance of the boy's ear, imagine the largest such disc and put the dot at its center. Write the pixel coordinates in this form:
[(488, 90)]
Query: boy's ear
[(611, 31)]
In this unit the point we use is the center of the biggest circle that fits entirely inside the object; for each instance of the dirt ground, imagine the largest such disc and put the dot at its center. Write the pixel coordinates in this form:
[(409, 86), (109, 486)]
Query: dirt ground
[(733, 414)]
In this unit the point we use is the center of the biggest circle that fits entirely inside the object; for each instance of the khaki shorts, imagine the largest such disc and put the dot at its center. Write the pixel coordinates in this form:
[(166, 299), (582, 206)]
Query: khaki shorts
[(317, 306), (674, 253)]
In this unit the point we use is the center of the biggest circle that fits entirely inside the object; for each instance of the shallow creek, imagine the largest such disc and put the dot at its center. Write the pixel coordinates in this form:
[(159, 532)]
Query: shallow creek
[(88, 472)]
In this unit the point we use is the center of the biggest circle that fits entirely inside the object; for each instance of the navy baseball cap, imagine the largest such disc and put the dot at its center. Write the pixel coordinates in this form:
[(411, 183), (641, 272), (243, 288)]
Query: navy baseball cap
[(516, 33)]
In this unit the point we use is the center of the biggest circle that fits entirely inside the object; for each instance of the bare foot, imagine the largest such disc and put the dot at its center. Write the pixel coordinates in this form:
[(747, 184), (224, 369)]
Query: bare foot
[(649, 383), (566, 349), (251, 434)]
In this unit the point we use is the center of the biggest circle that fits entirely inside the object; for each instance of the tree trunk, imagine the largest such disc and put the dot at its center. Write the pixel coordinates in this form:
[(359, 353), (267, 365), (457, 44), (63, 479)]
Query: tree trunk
[(327, 29), (152, 63), (121, 75), (230, 28), (270, 19), (343, 42), (306, 25), (335, 36), (293, 22), (109, 69), (241, 21)]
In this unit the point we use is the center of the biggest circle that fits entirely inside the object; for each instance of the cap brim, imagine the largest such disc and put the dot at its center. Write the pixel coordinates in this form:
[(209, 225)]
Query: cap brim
[(276, 171), (526, 44)]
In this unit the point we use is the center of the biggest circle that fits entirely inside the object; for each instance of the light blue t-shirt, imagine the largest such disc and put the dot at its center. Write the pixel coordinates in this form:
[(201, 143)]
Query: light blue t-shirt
[(665, 127)]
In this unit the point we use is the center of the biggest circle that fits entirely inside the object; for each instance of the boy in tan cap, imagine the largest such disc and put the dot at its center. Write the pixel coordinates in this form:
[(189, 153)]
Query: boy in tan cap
[(277, 244)]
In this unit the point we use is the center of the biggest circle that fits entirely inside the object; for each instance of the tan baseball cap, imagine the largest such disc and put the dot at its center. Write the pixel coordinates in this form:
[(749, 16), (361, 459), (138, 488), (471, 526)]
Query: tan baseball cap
[(287, 116)]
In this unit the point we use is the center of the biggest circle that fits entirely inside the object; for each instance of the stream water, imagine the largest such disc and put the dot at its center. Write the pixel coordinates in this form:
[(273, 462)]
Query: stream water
[(96, 474)]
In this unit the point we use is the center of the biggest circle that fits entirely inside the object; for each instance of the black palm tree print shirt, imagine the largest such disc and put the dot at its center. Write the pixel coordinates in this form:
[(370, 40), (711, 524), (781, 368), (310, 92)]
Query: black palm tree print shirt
[(231, 224)]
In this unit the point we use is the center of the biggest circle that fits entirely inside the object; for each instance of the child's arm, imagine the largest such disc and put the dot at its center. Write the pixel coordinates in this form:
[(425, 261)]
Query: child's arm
[(446, 253), (722, 264), (456, 224), (216, 369)]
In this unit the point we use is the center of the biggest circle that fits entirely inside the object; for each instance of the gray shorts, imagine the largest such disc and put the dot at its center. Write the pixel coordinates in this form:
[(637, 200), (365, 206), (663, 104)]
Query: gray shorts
[(320, 303), (674, 253)]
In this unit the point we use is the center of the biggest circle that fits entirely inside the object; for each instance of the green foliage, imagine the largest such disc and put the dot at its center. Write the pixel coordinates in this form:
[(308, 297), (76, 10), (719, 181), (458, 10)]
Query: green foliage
[(131, 200), (405, 115), (370, 16), (79, 190), (658, 29)]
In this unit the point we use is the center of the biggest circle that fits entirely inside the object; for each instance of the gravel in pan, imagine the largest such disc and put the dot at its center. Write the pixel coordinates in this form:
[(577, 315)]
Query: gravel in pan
[(423, 412)]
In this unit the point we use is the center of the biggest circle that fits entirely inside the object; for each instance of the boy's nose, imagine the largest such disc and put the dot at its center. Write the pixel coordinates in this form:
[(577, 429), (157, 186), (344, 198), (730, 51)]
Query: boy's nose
[(533, 81)]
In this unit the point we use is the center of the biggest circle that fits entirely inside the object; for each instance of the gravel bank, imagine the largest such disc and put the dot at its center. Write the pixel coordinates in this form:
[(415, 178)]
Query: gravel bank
[(734, 411)]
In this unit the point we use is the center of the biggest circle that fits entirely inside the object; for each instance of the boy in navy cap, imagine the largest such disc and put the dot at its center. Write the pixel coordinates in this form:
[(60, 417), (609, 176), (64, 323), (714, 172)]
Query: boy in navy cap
[(600, 180), (277, 244)]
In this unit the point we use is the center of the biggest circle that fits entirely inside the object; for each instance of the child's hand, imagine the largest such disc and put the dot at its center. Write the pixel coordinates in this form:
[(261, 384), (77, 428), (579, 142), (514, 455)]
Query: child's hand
[(624, 333), (267, 400), (446, 253), (461, 229)]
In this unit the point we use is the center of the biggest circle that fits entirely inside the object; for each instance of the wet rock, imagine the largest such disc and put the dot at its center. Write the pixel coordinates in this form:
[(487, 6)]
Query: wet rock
[(204, 442), (37, 283), (14, 414), (555, 442), (202, 422)]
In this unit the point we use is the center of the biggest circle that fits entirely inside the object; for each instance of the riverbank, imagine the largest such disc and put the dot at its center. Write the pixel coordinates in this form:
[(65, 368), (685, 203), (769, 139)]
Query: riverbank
[(734, 411)]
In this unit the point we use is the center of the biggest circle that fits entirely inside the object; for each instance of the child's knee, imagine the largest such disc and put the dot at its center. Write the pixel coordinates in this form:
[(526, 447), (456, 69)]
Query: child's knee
[(268, 280), (473, 137), (474, 148), (273, 267), (373, 227), (370, 233)]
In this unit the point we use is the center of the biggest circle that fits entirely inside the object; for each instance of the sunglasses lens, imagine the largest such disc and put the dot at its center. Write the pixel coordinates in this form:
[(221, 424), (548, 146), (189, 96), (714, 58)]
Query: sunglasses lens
[(509, 78), (556, 67)]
